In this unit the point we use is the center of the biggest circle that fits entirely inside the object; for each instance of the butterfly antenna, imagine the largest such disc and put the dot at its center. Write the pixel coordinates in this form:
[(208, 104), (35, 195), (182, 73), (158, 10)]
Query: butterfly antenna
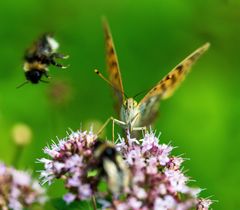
[(140, 93), (106, 80), (24, 83)]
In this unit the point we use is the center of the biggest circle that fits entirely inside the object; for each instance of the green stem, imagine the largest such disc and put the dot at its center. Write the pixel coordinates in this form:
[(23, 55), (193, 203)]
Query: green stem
[(94, 202), (17, 155)]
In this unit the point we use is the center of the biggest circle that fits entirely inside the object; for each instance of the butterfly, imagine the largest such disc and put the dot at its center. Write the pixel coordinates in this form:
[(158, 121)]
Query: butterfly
[(138, 116)]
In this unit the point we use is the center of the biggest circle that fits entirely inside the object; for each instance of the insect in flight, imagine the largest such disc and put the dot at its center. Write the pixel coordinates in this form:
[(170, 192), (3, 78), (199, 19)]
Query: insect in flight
[(111, 165), (39, 57), (137, 116)]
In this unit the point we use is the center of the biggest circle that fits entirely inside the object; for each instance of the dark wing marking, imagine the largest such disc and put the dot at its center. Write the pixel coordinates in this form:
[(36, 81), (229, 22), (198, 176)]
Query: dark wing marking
[(113, 67), (165, 88)]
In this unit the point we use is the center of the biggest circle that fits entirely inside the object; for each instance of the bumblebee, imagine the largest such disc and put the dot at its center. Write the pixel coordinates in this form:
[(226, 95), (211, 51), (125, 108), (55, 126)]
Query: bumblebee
[(112, 166), (39, 57)]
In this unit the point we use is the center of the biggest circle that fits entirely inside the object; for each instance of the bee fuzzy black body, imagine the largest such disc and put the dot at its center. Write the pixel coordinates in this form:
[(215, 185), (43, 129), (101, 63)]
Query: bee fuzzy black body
[(39, 57), (112, 166)]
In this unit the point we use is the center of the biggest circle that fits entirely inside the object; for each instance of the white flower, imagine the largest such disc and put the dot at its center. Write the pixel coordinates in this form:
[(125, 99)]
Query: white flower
[(177, 180), (164, 154), (168, 202), (140, 192), (134, 203)]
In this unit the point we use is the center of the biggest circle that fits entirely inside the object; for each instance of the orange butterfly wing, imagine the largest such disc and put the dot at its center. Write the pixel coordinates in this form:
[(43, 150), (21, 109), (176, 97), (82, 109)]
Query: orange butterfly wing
[(149, 105), (113, 67)]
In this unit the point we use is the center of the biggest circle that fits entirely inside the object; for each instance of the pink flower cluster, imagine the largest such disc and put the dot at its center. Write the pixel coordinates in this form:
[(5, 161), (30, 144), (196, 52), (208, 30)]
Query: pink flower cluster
[(18, 190), (157, 181), (70, 160)]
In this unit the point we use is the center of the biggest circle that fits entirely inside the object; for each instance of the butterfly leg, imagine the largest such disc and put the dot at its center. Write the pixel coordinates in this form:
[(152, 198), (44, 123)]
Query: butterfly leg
[(104, 125), (119, 122), (113, 123), (139, 128), (143, 129), (113, 131)]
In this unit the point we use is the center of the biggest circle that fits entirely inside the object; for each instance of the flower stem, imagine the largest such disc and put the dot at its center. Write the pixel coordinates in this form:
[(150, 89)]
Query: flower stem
[(17, 155), (94, 202)]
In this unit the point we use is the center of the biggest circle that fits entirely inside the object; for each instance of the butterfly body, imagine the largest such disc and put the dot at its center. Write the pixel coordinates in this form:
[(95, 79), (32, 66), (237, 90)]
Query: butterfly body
[(129, 113)]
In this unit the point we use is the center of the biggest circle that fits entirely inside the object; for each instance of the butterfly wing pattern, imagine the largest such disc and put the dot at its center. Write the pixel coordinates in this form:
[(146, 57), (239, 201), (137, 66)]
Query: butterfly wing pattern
[(149, 105), (144, 113), (113, 68)]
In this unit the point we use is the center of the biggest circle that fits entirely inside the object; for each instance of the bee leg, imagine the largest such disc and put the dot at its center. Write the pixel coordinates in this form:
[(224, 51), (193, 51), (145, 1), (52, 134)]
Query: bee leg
[(44, 81), (59, 55), (53, 62), (46, 75)]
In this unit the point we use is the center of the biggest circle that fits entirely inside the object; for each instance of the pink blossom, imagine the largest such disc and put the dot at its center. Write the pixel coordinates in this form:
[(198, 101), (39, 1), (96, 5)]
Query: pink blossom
[(69, 160), (23, 191), (203, 204), (168, 202), (156, 179), (69, 197)]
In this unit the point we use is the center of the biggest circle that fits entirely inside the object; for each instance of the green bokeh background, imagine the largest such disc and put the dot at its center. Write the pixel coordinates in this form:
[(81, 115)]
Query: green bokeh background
[(151, 37)]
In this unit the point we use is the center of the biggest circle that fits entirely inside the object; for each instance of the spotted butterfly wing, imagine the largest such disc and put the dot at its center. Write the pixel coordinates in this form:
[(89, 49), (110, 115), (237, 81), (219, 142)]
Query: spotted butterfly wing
[(149, 105), (113, 67)]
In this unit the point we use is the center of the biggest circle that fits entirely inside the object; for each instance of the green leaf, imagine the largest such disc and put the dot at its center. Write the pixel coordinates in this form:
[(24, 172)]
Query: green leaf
[(60, 204)]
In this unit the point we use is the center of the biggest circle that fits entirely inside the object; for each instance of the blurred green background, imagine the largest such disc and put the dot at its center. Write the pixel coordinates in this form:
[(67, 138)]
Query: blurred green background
[(151, 37)]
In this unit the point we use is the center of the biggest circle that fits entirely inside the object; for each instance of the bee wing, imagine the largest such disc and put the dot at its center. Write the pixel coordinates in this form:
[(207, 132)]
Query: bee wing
[(32, 51), (43, 44), (118, 175), (113, 176), (149, 105), (113, 67)]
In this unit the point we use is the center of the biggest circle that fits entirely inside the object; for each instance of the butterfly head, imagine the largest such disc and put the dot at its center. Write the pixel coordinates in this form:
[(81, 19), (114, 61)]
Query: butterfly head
[(130, 104)]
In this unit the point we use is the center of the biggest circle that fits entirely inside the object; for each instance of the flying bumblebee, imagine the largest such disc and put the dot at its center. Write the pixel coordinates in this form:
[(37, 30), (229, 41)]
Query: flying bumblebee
[(39, 57), (111, 165)]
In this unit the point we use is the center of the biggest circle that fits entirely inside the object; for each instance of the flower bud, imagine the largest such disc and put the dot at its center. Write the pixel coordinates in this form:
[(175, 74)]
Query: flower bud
[(21, 134)]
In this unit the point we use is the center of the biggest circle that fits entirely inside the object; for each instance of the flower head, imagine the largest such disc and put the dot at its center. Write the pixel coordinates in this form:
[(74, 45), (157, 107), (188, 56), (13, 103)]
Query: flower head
[(69, 159), (154, 176), (158, 181), (18, 190)]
